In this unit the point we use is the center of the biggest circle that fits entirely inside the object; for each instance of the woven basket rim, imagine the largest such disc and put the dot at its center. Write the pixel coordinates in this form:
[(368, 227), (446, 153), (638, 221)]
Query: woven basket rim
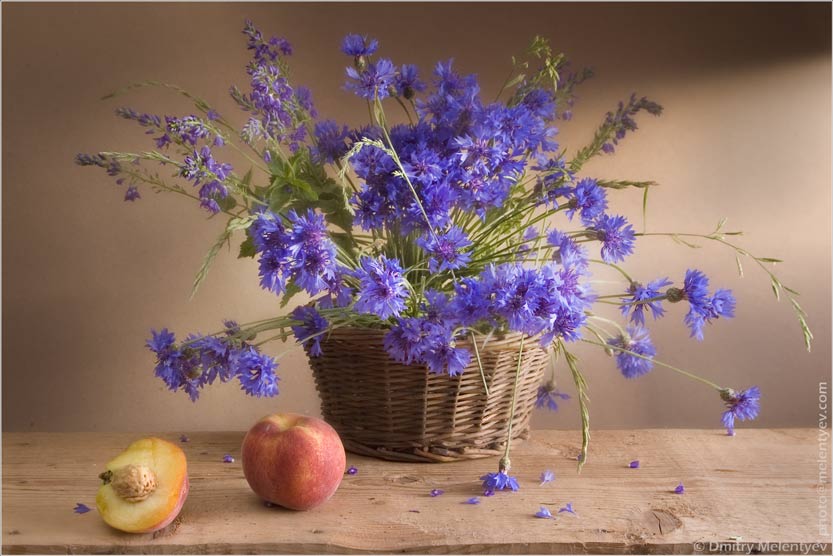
[(502, 341)]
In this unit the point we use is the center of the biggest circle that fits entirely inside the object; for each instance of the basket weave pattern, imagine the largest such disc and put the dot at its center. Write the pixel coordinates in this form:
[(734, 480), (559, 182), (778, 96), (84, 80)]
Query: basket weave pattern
[(398, 412)]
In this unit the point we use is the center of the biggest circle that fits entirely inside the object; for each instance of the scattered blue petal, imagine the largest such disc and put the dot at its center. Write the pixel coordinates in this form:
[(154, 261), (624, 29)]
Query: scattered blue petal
[(436, 492), (568, 509), (680, 489), (228, 458), (81, 508), (472, 500), (488, 492), (547, 476), (352, 470), (544, 513), (184, 439), (634, 464)]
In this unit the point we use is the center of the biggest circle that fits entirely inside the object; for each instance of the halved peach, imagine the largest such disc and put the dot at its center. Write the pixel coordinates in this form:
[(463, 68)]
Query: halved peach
[(144, 487)]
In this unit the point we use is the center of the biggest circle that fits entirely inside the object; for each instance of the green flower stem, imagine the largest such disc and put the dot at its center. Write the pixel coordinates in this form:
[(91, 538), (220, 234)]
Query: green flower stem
[(658, 362), (616, 267), (581, 387), (514, 400), (479, 363)]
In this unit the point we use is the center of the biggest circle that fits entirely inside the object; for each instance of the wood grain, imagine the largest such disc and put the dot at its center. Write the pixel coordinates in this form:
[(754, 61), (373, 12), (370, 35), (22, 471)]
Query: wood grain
[(761, 485)]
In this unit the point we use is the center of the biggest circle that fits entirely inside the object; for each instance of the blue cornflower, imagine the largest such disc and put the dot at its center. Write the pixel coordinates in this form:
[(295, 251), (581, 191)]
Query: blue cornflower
[(383, 288), (548, 396), (499, 481), (616, 235), (723, 304), (330, 143), (446, 249), (471, 302), (441, 354), (569, 253), (312, 252), (373, 81), (696, 288), (404, 340), (703, 308), (639, 294), (256, 372), (588, 198), (637, 341), (544, 513), (271, 241), (540, 102), (407, 81), (162, 343), (310, 329), (743, 405), (357, 45)]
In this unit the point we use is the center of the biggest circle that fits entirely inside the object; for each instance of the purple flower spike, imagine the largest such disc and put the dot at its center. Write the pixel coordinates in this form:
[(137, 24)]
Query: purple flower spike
[(436, 492), (228, 459), (184, 439), (352, 470), (680, 489), (544, 513), (81, 508), (634, 464), (568, 509), (473, 500), (547, 476)]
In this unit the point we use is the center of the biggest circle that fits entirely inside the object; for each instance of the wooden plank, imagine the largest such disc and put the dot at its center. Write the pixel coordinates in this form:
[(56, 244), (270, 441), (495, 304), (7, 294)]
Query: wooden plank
[(761, 485)]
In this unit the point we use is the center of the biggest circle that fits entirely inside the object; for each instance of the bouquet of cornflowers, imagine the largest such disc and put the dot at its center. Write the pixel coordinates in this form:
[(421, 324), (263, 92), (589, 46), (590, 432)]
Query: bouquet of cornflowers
[(435, 229)]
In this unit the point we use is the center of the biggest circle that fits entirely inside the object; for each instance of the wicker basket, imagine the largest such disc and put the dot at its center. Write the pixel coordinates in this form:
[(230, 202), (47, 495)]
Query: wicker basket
[(392, 411)]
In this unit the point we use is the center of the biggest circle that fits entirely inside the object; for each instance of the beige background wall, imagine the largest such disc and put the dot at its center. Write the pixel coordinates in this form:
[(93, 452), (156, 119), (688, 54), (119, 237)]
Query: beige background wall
[(746, 134)]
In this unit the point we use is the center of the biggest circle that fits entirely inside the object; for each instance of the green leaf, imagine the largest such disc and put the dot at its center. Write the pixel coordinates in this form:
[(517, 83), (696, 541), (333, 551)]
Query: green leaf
[(583, 399), (226, 203), (645, 210), (239, 223), (303, 189), (247, 179), (247, 248), (291, 290)]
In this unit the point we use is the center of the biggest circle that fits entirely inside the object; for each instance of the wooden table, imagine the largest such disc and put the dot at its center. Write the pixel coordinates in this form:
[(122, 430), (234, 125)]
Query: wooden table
[(761, 486)]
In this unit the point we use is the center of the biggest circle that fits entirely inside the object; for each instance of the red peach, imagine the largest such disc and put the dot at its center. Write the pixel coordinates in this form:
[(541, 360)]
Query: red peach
[(292, 460), (144, 487)]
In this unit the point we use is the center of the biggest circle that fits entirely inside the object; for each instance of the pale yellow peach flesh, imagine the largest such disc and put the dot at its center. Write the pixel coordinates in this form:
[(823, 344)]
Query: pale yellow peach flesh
[(167, 462)]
